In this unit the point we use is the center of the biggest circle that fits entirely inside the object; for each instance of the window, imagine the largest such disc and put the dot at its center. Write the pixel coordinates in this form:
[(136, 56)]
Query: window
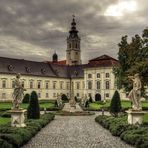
[(89, 85), (54, 85), (69, 45), (107, 95), (46, 85), (47, 95), (107, 84), (76, 45), (61, 85), (98, 75), (4, 84), (77, 85), (38, 84), (13, 84), (107, 75), (89, 75), (76, 53), (77, 94), (39, 95), (98, 85), (3, 95), (31, 84)]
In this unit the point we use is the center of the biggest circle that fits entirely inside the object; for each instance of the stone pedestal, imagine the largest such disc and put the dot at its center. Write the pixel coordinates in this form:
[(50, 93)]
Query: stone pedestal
[(17, 118), (135, 117)]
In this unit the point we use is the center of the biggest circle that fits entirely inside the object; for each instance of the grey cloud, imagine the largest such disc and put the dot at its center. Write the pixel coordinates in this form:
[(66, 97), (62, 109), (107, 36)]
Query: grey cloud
[(44, 25)]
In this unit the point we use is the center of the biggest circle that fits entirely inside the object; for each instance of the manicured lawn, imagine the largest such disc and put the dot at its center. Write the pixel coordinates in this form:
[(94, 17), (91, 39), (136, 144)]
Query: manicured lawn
[(4, 120), (125, 104), (25, 105), (146, 118)]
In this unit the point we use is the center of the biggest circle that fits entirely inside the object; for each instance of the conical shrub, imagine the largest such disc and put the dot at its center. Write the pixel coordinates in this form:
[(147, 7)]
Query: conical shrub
[(33, 111)]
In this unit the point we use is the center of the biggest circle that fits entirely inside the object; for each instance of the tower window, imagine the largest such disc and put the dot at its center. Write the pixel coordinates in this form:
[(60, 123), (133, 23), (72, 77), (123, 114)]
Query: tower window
[(76, 53), (70, 45), (76, 45)]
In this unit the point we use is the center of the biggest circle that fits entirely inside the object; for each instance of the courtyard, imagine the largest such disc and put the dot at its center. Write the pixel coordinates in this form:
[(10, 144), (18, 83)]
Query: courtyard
[(75, 132)]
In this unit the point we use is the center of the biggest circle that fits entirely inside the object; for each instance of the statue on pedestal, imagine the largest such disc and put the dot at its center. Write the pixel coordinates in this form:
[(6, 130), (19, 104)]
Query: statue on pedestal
[(18, 93), (135, 93), (59, 100)]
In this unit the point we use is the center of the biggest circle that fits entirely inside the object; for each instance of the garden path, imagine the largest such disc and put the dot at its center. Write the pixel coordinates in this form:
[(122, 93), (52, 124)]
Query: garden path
[(75, 132)]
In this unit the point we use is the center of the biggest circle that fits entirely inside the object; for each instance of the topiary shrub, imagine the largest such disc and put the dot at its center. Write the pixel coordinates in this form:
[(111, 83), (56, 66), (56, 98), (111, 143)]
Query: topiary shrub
[(115, 105), (97, 97), (33, 111), (26, 98), (64, 98)]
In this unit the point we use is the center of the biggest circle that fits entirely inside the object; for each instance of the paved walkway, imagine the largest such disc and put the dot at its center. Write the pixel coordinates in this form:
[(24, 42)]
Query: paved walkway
[(67, 107), (75, 132)]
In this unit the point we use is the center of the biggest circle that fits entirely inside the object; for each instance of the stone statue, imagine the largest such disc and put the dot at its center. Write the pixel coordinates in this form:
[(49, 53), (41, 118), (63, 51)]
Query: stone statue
[(59, 100), (18, 93), (135, 93)]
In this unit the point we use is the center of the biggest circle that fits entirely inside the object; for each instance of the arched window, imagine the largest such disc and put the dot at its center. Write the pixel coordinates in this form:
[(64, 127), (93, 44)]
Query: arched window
[(31, 84), (89, 85), (76, 45), (98, 85), (69, 45), (98, 75), (107, 85)]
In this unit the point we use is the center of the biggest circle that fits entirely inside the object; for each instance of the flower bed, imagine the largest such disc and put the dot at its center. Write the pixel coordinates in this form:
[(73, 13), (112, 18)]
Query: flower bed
[(12, 137), (135, 135)]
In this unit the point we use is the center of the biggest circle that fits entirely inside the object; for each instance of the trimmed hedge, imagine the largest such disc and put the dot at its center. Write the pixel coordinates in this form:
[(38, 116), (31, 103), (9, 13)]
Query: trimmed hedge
[(134, 135), (12, 137)]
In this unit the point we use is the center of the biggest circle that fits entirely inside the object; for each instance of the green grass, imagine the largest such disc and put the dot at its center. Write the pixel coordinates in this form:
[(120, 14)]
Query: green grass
[(8, 106), (145, 119), (125, 104), (4, 120)]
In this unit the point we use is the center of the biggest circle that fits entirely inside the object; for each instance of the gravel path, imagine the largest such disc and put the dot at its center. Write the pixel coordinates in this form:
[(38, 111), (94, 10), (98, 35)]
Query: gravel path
[(75, 132)]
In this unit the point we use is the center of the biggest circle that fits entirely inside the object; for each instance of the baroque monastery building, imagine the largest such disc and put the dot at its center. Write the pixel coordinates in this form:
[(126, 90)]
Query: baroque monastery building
[(55, 77)]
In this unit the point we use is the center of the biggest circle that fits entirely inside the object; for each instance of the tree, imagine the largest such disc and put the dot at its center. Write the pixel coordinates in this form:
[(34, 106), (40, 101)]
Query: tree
[(33, 111), (115, 106), (64, 97), (26, 98), (132, 58), (98, 97)]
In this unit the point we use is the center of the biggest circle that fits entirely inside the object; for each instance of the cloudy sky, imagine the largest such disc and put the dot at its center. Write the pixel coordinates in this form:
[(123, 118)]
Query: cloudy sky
[(35, 29)]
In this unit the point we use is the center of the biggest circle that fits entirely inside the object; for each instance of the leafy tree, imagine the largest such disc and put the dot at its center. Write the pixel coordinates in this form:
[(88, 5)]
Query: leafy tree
[(98, 97), (115, 106), (26, 98), (132, 58), (33, 111), (64, 97)]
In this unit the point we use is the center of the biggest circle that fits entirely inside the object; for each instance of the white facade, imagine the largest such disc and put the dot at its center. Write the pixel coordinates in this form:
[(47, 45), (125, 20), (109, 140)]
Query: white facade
[(49, 87), (99, 80)]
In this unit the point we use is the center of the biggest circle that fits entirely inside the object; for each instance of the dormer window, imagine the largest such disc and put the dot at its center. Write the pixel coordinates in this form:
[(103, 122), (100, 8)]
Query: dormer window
[(28, 69), (10, 68)]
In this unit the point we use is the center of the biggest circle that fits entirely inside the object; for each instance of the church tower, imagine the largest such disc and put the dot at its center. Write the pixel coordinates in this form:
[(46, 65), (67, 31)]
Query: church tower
[(73, 52)]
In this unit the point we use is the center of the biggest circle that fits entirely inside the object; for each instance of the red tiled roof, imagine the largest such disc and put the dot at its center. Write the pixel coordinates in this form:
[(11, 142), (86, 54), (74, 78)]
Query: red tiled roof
[(103, 61)]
